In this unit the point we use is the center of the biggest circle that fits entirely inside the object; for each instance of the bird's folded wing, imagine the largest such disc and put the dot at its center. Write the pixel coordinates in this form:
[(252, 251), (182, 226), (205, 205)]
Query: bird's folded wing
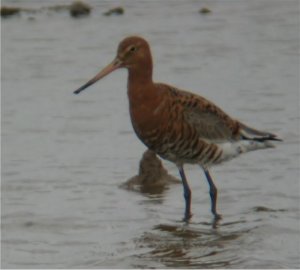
[(210, 122)]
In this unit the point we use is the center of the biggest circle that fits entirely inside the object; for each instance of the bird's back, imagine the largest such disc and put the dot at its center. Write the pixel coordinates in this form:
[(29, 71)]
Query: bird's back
[(186, 128)]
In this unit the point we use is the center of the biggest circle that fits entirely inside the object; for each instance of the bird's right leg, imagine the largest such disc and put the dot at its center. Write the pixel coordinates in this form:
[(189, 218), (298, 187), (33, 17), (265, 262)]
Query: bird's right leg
[(213, 194), (187, 194)]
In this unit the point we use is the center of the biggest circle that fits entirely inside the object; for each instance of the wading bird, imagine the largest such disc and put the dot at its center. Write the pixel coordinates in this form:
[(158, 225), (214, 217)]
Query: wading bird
[(180, 126)]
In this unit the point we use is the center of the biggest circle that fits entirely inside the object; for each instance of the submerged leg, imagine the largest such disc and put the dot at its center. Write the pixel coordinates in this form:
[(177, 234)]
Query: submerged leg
[(213, 192), (187, 194)]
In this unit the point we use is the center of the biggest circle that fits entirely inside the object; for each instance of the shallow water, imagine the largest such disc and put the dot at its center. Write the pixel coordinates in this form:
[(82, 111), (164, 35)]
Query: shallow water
[(65, 156)]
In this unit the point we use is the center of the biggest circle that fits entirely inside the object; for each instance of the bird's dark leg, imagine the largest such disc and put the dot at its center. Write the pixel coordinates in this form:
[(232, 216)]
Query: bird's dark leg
[(213, 192), (187, 194)]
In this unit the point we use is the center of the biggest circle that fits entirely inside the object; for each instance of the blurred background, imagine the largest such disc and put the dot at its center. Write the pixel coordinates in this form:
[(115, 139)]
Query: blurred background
[(65, 156)]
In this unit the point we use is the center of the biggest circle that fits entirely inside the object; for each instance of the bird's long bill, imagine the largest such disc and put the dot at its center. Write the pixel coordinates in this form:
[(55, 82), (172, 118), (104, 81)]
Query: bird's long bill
[(105, 71)]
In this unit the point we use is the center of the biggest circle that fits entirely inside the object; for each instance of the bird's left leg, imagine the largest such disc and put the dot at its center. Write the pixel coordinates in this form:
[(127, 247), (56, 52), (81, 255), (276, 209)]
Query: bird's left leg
[(213, 192), (187, 194)]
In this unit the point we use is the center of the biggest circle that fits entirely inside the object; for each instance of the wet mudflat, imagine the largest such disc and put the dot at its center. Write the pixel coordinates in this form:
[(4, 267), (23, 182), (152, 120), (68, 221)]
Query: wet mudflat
[(64, 157)]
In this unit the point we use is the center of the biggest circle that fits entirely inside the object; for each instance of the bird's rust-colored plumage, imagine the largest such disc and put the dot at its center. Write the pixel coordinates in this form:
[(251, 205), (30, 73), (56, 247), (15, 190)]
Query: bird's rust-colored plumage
[(178, 125), (182, 127)]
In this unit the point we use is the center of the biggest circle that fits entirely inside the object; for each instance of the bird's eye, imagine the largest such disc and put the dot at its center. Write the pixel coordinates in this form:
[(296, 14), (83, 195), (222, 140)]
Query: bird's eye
[(132, 49)]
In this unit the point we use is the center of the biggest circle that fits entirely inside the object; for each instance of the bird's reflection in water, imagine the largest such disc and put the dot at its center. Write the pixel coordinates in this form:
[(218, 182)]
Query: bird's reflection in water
[(153, 179), (192, 246)]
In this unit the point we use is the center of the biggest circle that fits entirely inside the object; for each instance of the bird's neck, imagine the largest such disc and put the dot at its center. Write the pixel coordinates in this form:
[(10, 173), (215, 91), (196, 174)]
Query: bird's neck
[(140, 75), (140, 82)]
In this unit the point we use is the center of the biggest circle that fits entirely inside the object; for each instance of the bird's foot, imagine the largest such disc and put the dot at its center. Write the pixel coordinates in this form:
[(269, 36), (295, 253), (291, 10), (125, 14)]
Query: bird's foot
[(217, 216), (187, 217), (216, 220)]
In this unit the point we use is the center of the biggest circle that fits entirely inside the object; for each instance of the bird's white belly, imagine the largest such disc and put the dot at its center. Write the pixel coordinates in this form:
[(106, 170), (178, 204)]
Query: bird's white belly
[(234, 149)]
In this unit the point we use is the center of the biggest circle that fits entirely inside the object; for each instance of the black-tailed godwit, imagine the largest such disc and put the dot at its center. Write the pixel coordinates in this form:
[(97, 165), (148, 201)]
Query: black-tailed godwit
[(180, 126)]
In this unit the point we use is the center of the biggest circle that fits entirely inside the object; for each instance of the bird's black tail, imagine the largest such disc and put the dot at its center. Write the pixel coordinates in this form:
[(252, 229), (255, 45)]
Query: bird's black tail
[(252, 134)]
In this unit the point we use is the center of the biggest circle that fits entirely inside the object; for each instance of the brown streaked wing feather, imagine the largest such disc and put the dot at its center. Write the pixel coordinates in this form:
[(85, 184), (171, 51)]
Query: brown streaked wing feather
[(210, 122)]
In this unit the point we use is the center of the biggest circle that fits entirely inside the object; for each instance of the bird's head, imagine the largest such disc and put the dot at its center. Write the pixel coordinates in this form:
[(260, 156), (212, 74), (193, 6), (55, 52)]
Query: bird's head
[(133, 53)]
